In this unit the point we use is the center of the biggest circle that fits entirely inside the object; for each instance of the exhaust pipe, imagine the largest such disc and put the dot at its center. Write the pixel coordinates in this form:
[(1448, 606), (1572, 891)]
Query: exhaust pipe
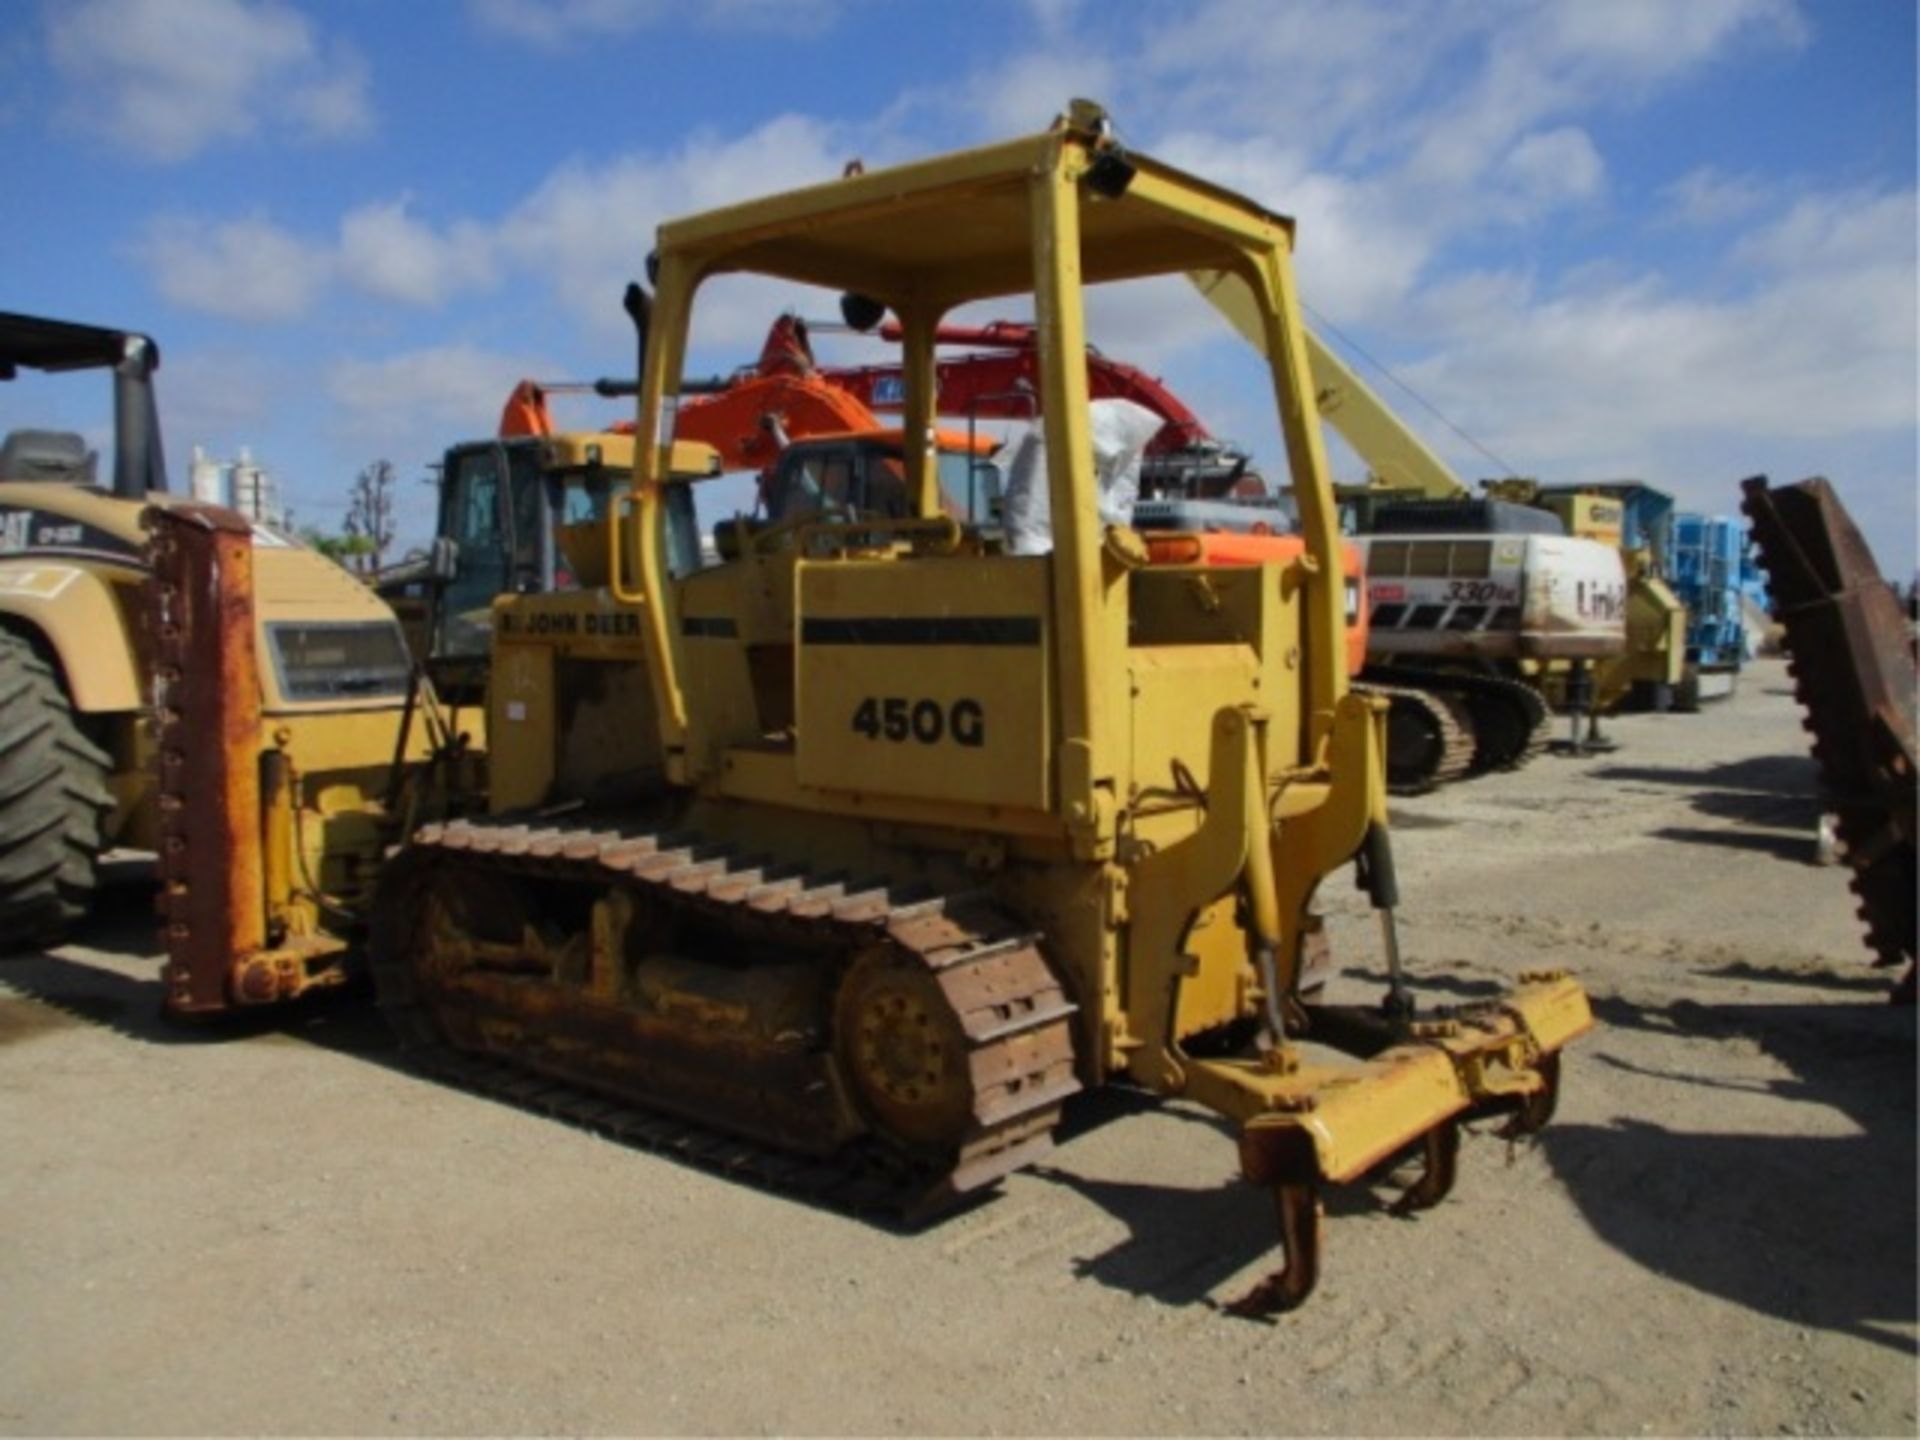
[(139, 466)]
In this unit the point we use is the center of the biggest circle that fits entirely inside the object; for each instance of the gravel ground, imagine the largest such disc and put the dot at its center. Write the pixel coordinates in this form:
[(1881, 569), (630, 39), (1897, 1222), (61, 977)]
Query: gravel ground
[(279, 1229)]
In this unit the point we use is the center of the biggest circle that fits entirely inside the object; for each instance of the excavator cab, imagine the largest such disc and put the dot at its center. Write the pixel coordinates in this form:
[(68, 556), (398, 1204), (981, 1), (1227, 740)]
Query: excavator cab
[(844, 865), (865, 474)]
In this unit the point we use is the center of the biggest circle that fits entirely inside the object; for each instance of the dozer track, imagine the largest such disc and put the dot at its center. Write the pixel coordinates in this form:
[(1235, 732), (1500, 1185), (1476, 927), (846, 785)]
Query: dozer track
[(1509, 723), (1429, 738), (930, 1060), (1852, 659)]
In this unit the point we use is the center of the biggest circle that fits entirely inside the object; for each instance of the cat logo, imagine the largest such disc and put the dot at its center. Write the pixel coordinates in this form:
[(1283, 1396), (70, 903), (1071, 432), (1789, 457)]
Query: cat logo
[(16, 527)]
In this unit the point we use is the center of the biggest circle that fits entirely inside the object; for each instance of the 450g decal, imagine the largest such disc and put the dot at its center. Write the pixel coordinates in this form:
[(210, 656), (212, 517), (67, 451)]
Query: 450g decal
[(897, 718)]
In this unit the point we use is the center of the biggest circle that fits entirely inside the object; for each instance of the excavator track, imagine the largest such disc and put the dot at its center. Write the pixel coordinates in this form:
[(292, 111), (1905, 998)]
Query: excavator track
[(1525, 729), (1509, 722), (1429, 738), (900, 967)]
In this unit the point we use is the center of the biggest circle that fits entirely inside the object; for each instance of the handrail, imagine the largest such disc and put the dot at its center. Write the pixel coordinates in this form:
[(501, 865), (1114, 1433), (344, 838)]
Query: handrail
[(619, 504)]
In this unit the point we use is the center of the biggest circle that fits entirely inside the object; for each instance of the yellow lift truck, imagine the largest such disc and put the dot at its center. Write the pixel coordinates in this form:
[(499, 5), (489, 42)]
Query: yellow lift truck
[(521, 514), (175, 679), (841, 864)]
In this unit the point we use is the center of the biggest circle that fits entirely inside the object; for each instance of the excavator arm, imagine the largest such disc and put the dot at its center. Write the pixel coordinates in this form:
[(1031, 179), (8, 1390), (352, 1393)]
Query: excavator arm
[(788, 389), (748, 417)]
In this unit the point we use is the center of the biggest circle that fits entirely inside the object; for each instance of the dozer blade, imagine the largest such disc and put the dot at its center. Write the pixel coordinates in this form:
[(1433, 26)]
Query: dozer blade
[(1851, 656), (1408, 1091)]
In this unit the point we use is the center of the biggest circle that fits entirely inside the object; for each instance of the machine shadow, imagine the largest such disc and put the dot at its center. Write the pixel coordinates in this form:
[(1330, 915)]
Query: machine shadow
[(1816, 1230), (1433, 989), (1770, 792), (1796, 849), (1865, 981), (1794, 776), (121, 990), (129, 1005), (1184, 1241)]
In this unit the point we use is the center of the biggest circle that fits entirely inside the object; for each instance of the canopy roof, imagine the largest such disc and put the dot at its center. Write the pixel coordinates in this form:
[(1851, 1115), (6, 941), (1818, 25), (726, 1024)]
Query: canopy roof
[(958, 228)]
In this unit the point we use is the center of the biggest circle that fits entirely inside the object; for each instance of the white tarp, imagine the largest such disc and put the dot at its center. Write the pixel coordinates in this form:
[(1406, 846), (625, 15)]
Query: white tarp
[(1121, 430)]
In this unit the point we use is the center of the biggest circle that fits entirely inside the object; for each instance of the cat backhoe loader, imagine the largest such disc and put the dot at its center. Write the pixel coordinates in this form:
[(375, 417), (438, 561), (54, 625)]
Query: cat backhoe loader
[(176, 679), (842, 864)]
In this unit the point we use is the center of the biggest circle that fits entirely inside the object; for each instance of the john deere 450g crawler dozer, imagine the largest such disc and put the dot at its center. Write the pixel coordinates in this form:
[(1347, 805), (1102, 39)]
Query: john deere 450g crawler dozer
[(843, 863)]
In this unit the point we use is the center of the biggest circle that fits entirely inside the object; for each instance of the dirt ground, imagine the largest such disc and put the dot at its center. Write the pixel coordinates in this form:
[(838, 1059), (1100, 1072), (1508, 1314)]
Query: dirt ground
[(280, 1229)]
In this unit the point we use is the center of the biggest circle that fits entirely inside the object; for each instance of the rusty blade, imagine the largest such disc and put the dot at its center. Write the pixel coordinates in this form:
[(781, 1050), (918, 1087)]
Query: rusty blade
[(1852, 657), (206, 705)]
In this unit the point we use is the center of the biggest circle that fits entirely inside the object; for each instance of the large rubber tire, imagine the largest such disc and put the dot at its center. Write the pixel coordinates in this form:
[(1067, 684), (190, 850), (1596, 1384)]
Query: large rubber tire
[(53, 798)]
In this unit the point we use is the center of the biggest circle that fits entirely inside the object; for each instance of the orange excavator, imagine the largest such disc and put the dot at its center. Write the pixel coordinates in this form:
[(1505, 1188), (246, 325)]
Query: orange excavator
[(815, 443), (739, 415)]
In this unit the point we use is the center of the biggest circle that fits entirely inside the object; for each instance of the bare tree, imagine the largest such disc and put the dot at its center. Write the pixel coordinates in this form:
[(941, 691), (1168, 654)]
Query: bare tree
[(369, 524)]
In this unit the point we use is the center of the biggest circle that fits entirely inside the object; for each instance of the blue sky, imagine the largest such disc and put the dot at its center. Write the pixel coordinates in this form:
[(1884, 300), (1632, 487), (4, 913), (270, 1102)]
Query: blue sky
[(1672, 240)]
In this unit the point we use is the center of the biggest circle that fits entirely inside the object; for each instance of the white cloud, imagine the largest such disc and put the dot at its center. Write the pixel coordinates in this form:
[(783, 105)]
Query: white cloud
[(1644, 40), (392, 256), (1821, 348), (1555, 165), (410, 406), (587, 228), (1358, 253), (248, 269), (583, 232), (1025, 91), (168, 78), (334, 104), (1310, 75), (1837, 232), (220, 399), (1706, 196), (1546, 60), (563, 24)]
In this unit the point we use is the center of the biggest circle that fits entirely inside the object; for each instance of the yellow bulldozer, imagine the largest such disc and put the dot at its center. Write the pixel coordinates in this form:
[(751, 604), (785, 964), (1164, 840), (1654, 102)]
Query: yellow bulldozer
[(174, 678), (843, 863)]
